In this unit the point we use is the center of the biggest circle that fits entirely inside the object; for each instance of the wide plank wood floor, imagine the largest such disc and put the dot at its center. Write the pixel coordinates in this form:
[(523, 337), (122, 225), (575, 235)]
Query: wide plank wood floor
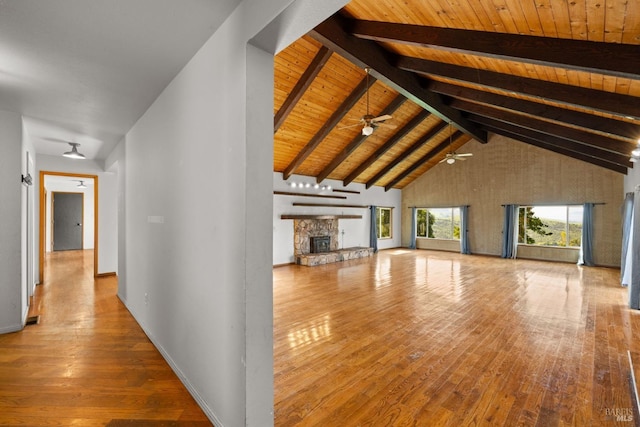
[(87, 362), (423, 338)]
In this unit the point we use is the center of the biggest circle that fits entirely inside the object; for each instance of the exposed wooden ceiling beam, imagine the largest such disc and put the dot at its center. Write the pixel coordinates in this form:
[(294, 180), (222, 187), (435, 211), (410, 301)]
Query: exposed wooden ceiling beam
[(430, 155), (586, 121), (365, 53), (615, 59), (559, 150), (608, 102), (335, 118), (301, 86), (571, 148), (581, 137), (409, 151), (355, 142), (415, 121)]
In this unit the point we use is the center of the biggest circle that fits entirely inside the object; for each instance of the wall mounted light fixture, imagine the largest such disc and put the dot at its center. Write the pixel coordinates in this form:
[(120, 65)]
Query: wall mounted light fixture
[(27, 179)]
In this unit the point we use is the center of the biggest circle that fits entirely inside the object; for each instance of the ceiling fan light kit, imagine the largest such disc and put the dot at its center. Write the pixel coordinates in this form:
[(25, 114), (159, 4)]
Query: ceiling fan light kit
[(451, 157), (74, 154), (370, 123)]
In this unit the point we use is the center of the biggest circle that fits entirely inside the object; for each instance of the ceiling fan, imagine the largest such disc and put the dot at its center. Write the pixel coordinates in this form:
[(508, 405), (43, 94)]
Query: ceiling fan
[(368, 121), (452, 156)]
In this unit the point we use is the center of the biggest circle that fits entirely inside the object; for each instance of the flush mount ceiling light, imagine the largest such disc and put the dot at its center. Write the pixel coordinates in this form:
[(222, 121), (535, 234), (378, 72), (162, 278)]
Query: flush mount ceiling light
[(74, 154)]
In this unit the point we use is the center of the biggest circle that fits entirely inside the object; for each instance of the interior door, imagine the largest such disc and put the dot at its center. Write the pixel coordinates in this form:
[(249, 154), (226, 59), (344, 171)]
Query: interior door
[(67, 221)]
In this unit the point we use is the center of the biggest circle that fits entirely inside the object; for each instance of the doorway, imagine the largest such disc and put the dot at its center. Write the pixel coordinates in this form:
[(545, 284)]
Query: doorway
[(68, 219), (45, 230)]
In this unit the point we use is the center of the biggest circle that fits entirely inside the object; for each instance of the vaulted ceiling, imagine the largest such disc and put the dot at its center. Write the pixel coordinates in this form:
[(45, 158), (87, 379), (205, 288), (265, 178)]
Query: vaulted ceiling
[(563, 76)]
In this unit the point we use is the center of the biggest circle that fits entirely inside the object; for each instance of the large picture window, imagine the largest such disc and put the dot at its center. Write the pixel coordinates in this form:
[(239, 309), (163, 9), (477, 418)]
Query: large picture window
[(550, 225), (438, 223), (383, 220)]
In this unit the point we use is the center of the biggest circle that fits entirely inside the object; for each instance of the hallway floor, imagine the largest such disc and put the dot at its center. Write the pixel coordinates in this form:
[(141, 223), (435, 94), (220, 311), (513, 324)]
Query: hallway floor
[(87, 362)]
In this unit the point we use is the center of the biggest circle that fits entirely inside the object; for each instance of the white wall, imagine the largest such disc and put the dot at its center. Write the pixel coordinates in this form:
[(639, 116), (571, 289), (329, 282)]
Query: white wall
[(107, 204), (11, 197), (194, 163), (87, 210), (356, 231)]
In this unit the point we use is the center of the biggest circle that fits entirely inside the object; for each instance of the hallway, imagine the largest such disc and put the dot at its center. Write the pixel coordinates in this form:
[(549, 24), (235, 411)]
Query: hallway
[(87, 362)]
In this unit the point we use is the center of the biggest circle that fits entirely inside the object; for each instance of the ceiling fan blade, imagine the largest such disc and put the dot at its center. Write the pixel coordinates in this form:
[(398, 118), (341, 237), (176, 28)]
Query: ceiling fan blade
[(465, 155), (381, 118), (443, 160)]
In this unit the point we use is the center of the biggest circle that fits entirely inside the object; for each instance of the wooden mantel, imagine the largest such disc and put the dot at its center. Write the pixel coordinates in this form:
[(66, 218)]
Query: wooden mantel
[(297, 216)]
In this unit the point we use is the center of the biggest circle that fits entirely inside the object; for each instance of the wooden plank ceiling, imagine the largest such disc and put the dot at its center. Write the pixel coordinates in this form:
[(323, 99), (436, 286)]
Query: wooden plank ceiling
[(564, 76)]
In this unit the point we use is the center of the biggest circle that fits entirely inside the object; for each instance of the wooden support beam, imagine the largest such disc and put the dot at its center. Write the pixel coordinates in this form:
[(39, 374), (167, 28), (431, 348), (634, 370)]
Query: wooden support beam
[(415, 121), (300, 88), (365, 53), (416, 145), (571, 148), (357, 141), (335, 118), (559, 150), (613, 59), (581, 137), (430, 155), (586, 121), (608, 102)]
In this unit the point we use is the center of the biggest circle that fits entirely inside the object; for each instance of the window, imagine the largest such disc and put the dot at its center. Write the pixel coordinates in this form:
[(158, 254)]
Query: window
[(438, 223), (383, 220), (550, 225)]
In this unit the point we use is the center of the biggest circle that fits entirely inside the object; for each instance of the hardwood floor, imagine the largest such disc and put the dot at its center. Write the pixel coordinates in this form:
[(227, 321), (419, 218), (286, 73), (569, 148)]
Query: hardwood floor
[(403, 338), (422, 338), (87, 362)]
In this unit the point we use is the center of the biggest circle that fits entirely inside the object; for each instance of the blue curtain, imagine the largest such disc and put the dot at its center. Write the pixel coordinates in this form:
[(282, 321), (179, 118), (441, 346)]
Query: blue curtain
[(586, 243), (627, 215), (412, 239), (464, 232), (373, 230), (510, 232)]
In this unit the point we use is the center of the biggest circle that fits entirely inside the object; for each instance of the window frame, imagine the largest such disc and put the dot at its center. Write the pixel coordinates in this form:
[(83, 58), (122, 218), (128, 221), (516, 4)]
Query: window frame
[(566, 226), (453, 223), (379, 222)]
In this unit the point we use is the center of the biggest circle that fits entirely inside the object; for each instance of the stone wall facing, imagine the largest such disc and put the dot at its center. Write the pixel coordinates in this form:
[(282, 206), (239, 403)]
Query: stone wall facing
[(306, 228)]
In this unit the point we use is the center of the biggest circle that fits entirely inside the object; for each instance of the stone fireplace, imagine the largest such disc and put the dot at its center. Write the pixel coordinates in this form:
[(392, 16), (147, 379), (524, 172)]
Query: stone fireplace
[(315, 240), (305, 229)]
